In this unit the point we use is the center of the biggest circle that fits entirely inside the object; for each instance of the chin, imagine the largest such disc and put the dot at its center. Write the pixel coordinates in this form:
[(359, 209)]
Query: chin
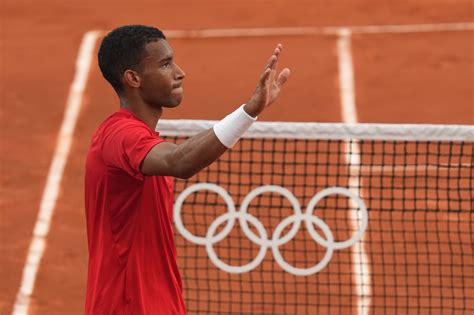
[(172, 103)]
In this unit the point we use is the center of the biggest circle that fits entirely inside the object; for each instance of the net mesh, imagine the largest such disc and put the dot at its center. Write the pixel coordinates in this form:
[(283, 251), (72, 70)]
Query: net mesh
[(415, 256)]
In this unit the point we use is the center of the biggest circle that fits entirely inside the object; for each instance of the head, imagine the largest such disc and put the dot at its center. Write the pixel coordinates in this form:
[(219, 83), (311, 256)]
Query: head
[(137, 60)]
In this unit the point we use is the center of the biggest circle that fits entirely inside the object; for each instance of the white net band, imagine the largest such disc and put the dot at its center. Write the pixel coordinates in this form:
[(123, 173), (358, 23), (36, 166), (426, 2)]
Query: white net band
[(341, 131)]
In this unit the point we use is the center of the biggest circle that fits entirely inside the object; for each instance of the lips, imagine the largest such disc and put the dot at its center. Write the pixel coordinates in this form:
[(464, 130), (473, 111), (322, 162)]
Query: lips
[(177, 86)]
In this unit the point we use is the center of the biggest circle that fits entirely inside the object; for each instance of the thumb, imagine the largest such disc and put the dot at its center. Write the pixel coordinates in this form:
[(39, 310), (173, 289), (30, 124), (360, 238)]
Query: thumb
[(283, 76)]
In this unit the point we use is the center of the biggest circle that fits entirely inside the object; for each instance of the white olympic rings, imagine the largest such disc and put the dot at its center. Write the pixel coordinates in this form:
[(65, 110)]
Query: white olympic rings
[(308, 217)]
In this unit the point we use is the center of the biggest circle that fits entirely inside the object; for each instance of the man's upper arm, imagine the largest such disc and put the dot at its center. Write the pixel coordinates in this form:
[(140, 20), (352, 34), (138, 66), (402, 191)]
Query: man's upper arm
[(127, 146), (160, 161)]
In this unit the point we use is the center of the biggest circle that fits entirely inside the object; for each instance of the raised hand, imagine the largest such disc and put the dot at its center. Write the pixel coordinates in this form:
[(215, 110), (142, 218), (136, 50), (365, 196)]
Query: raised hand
[(269, 85)]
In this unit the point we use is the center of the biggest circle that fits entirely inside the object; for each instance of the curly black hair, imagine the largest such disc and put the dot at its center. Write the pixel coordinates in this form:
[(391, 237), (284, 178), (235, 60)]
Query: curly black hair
[(122, 49)]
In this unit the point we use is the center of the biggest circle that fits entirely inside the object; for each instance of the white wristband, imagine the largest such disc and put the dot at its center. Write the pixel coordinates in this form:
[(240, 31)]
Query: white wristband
[(233, 126)]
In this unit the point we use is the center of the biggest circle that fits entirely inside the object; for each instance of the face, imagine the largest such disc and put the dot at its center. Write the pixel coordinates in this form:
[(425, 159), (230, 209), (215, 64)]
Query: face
[(160, 76)]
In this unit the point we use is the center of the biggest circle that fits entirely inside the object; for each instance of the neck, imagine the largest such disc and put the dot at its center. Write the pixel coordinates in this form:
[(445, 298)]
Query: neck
[(148, 114)]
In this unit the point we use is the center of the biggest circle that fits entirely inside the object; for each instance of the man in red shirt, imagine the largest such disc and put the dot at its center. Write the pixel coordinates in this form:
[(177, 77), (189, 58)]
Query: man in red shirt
[(129, 170)]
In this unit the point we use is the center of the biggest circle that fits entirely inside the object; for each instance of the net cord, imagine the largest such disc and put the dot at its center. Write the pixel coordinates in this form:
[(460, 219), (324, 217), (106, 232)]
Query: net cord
[(332, 131)]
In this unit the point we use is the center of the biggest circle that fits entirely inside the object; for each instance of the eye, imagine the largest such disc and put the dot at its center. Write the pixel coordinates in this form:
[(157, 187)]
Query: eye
[(165, 65)]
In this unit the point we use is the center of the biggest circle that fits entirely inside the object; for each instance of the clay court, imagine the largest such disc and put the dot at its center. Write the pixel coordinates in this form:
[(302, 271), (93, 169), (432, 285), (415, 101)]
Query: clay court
[(412, 62)]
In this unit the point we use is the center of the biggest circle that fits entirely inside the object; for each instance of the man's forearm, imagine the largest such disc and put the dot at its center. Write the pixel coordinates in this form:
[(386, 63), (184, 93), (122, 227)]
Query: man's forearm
[(197, 152)]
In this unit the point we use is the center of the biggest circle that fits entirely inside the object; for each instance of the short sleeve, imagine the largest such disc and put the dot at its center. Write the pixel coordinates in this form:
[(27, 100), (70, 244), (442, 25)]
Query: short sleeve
[(126, 147)]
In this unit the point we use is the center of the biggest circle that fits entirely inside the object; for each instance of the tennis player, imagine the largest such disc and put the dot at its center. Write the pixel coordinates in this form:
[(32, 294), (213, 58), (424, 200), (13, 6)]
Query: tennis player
[(129, 171)]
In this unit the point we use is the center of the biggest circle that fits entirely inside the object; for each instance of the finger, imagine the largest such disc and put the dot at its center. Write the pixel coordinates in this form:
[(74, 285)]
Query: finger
[(264, 77), (283, 77), (278, 49), (275, 64), (270, 67), (271, 78), (273, 58), (277, 53), (270, 62)]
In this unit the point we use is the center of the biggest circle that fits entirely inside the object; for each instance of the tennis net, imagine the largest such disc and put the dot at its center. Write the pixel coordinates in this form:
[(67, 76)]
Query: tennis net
[(308, 218)]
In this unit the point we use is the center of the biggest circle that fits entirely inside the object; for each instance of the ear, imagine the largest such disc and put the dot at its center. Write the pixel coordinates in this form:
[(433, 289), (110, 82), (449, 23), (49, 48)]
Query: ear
[(131, 78)]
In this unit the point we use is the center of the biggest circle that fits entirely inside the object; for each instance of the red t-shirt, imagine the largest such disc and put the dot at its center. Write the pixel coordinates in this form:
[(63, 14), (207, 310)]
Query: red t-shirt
[(132, 254)]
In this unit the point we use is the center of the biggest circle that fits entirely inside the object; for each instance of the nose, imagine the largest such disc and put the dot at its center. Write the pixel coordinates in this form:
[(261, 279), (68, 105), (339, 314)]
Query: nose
[(180, 75)]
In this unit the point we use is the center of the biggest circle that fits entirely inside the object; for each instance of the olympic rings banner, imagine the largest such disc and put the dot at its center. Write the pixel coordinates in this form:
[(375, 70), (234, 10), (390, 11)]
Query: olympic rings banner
[(262, 239)]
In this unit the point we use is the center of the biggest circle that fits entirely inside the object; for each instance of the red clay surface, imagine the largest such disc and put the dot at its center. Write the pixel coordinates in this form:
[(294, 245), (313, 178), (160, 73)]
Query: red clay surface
[(415, 78), (418, 78)]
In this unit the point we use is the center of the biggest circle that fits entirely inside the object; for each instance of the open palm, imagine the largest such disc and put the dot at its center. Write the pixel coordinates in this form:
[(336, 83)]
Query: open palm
[(269, 85)]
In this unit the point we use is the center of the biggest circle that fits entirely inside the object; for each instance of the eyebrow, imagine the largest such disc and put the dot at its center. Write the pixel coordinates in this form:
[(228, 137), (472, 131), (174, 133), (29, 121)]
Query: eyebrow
[(167, 58)]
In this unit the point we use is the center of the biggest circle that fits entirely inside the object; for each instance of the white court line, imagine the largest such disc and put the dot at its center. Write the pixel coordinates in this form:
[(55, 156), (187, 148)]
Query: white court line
[(323, 30), (349, 115), (55, 174), (346, 77), (328, 30)]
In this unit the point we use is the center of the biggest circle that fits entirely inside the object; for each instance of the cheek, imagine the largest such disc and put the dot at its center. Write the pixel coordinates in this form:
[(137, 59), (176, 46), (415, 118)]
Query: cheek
[(164, 81), (157, 84)]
